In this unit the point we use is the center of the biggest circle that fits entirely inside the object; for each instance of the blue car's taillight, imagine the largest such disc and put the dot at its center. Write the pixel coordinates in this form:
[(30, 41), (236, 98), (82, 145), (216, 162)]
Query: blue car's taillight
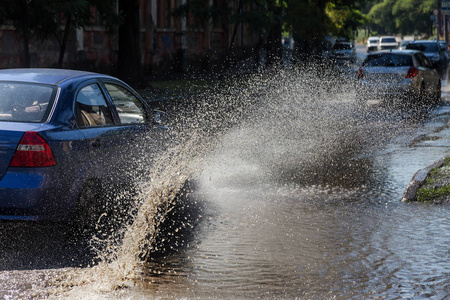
[(33, 151)]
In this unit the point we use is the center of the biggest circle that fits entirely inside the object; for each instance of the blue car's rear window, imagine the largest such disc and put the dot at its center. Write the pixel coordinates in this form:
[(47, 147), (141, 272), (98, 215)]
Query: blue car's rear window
[(25, 102), (388, 60)]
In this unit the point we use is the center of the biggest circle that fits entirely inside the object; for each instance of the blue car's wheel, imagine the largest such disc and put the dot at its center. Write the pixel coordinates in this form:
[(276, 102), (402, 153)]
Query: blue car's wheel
[(90, 205)]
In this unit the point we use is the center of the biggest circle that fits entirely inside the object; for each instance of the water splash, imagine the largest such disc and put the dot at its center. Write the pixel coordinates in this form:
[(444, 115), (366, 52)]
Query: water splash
[(295, 126)]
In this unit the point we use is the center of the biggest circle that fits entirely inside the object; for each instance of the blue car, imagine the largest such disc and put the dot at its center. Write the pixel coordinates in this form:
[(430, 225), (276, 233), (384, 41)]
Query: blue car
[(63, 134)]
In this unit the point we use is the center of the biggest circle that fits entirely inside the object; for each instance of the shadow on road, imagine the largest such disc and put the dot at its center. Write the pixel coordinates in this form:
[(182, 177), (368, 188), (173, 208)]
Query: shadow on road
[(30, 246), (27, 246)]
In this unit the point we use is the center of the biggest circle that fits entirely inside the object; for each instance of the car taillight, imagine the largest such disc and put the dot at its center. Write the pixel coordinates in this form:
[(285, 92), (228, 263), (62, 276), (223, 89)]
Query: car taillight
[(33, 151), (412, 72), (360, 73)]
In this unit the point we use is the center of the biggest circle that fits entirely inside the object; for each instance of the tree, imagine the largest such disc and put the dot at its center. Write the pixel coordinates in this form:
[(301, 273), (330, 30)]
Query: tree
[(311, 20), (74, 14), (263, 18), (22, 15), (402, 16), (308, 22), (345, 20), (69, 15), (45, 19), (129, 56), (275, 28), (381, 16)]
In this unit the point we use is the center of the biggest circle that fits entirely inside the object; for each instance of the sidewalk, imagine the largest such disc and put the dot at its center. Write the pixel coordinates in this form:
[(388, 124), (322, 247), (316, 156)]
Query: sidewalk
[(446, 89), (432, 184)]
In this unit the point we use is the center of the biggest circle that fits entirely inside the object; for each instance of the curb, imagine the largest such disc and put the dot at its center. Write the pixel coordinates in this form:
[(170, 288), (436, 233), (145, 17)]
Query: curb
[(418, 179)]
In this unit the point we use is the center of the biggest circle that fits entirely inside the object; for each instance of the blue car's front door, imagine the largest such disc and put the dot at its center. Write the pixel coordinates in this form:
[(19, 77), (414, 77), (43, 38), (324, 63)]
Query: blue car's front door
[(107, 141)]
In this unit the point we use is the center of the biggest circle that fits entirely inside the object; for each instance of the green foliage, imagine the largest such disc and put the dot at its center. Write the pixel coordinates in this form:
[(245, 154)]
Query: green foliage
[(263, 18), (381, 15), (430, 194), (256, 14), (344, 20), (433, 187), (107, 10), (307, 19), (402, 16), (311, 19)]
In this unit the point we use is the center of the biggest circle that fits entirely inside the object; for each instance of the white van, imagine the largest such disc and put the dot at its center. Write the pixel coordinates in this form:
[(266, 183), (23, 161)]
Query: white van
[(372, 43), (387, 43)]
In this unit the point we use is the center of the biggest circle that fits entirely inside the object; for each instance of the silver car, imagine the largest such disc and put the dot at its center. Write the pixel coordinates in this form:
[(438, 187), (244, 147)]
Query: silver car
[(398, 75)]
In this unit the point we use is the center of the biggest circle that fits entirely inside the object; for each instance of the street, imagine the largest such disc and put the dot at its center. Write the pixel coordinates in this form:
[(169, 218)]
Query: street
[(298, 196)]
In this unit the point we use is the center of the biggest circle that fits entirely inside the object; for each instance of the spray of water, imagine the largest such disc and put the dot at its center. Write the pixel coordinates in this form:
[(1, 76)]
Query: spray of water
[(287, 126)]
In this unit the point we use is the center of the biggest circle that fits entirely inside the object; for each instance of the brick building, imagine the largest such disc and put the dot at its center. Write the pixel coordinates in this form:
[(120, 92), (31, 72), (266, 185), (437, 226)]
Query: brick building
[(166, 42)]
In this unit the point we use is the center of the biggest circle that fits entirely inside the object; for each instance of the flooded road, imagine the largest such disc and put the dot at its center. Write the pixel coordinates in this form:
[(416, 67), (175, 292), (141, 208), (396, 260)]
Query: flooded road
[(298, 197), (335, 230)]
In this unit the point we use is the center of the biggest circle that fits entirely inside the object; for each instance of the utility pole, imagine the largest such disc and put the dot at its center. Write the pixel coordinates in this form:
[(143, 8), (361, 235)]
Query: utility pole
[(444, 12), (445, 29), (438, 7)]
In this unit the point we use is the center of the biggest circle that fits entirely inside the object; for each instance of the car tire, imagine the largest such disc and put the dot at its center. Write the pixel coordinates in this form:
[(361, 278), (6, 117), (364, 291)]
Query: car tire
[(437, 96), (89, 205), (422, 95)]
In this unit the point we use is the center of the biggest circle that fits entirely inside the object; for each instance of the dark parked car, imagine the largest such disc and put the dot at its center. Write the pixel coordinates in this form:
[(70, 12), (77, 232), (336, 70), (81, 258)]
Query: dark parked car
[(402, 44), (434, 52), (343, 51), (398, 75), (63, 134)]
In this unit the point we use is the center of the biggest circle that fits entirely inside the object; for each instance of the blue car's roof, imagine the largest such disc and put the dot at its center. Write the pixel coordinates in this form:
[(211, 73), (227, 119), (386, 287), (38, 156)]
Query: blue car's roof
[(46, 76)]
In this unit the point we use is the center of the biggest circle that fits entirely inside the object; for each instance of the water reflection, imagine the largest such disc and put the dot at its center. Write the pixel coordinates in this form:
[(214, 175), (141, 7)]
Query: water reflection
[(310, 243), (288, 223)]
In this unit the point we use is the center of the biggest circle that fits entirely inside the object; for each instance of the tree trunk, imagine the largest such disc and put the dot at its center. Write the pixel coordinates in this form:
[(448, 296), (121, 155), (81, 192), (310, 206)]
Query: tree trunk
[(274, 49), (129, 54), (239, 12), (26, 48), (63, 46), (26, 35), (318, 40)]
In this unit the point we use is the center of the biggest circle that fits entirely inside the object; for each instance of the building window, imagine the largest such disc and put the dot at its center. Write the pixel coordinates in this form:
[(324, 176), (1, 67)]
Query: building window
[(164, 13)]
